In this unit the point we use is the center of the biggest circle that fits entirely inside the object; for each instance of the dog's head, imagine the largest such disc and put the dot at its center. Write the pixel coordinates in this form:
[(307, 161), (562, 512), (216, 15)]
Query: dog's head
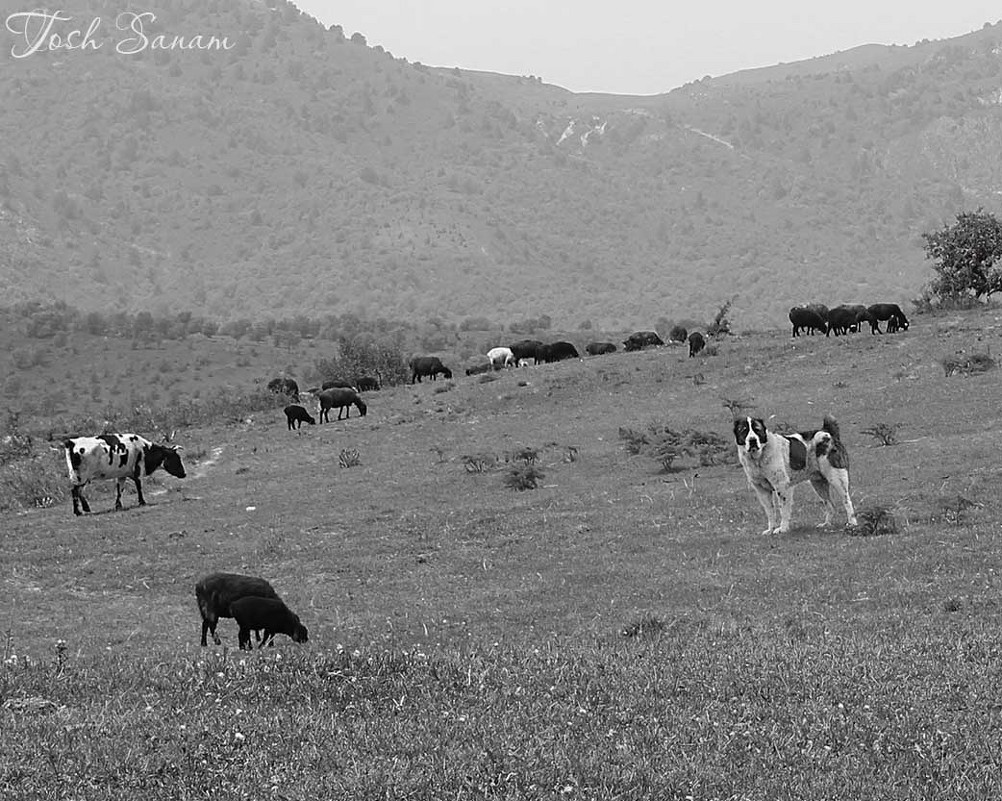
[(750, 434)]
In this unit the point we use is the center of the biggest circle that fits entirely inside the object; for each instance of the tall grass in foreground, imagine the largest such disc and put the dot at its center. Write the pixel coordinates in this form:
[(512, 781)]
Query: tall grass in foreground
[(693, 711)]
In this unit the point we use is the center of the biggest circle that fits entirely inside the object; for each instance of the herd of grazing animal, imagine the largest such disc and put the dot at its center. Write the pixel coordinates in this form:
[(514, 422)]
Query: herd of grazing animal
[(847, 318), (256, 607)]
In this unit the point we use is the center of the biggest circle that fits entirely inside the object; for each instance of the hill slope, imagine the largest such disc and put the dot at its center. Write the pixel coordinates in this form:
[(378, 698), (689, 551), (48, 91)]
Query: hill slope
[(300, 172)]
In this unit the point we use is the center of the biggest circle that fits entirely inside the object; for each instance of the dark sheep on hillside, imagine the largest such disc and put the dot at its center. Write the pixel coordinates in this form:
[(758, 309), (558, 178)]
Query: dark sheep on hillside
[(338, 383), (696, 343), (807, 319), (599, 348), (339, 398), (268, 615), (526, 349), (845, 318), (428, 366), (641, 339), (296, 415), (368, 383), (891, 312), (284, 386), (556, 352), (678, 334), (216, 592)]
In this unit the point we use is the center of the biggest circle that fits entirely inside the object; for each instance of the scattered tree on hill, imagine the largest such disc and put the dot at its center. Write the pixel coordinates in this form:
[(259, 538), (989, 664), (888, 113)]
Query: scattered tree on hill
[(966, 255)]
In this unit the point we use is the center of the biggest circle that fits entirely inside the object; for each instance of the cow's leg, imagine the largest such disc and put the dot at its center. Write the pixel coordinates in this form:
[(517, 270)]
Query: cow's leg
[(119, 484), (139, 491), (79, 500)]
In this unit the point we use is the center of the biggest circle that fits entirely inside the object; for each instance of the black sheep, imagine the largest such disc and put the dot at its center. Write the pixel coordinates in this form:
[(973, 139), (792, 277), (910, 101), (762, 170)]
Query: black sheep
[(296, 415), (267, 614), (217, 591)]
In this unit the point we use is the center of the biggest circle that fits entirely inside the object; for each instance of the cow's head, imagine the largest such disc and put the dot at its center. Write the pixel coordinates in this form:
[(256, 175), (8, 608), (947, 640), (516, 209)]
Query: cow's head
[(166, 455)]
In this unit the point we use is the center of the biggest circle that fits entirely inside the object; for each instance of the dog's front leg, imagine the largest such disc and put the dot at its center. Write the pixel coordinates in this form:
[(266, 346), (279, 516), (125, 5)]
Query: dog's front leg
[(784, 497), (766, 497)]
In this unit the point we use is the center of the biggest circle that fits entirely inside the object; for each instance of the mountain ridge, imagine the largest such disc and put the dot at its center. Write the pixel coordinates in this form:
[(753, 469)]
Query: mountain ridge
[(303, 172)]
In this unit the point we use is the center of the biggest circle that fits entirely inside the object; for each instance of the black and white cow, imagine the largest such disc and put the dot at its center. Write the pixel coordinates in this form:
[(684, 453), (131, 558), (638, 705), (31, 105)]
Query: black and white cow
[(117, 456)]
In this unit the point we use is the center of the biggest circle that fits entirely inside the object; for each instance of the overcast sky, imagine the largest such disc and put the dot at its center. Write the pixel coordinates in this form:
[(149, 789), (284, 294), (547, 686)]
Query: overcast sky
[(639, 46)]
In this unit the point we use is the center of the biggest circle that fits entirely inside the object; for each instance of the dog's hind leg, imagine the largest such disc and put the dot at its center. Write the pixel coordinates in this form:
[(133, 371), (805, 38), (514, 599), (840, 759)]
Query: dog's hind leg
[(824, 490), (840, 487)]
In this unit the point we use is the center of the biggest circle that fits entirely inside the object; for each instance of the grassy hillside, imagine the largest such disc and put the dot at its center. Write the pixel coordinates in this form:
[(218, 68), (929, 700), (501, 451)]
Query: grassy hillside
[(300, 172), (618, 630)]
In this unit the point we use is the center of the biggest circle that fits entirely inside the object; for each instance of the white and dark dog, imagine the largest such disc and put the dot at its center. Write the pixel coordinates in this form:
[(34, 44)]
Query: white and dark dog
[(775, 463)]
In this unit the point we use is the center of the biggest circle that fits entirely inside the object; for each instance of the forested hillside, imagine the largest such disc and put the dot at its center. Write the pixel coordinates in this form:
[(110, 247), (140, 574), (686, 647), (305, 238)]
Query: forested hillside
[(303, 172)]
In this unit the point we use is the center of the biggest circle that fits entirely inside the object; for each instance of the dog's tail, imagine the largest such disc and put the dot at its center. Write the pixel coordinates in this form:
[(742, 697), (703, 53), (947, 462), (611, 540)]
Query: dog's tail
[(837, 453), (830, 425)]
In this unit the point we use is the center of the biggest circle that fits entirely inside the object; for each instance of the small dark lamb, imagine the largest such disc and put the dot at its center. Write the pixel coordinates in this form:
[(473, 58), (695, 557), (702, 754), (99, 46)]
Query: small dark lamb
[(217, 591), (296, 415), (269, 614)]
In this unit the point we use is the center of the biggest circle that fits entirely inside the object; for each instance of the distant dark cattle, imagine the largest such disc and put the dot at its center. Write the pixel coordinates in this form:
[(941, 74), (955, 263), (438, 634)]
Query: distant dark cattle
[(284, 386), (296, 415), (599, 348), (807, 319), (526, 349), (217, 591), (846, 318), (340, 398), (430, 366), (696, 343), (891, 312), (556, 352), (641, 339), (268, 615), (367, 383), (117, 456)]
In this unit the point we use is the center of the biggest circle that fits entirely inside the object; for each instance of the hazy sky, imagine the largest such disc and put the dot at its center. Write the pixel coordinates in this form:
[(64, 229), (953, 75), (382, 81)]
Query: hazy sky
[(639, 46)]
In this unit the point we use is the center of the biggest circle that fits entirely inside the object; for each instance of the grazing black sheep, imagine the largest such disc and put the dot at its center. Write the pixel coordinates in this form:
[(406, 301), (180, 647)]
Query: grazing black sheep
[(367, 383), (217, 591), (641, 339), (341, 399), (269, 615), (429, 366), (805, 318), (896, 320), (599, 348), (526, 349), (696, 343), (296, 415), (338, 383)]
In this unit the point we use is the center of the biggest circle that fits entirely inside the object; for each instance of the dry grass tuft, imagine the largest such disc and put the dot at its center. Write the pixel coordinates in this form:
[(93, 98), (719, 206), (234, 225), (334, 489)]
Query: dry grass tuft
[(874, 521)]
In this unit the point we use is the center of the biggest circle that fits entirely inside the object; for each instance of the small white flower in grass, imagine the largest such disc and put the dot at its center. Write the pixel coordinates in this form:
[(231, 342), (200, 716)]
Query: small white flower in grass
[(238, 738)]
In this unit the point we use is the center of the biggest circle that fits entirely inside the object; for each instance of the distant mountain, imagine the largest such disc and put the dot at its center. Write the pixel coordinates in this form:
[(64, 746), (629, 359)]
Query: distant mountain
[(299, 172)]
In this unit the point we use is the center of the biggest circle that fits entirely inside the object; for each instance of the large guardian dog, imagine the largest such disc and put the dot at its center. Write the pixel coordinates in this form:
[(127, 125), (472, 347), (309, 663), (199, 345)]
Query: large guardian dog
[(775, 463)]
